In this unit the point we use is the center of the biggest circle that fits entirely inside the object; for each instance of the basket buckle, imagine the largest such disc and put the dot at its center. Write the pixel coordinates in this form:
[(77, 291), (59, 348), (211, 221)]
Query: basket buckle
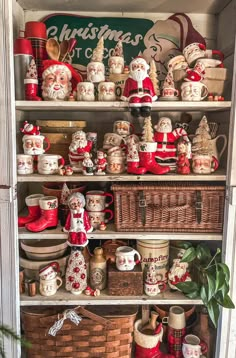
[(142, 203)]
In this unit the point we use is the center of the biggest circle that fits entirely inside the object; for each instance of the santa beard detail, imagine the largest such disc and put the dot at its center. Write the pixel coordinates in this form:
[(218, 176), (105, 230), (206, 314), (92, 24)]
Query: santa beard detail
[(138, 75), (51, 94)]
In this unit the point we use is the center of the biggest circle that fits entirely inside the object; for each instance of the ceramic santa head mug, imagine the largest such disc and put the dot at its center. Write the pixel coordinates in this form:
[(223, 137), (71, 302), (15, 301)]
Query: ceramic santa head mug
[(50, 271), (106, 91), (193, 347), (35, 144), (85, 91), (125, 258), (98, 200), (193, 91)]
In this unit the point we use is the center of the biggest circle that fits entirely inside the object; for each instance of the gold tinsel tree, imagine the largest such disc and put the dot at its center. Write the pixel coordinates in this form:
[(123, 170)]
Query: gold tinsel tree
[(154, 78), (147, 133), (201, 143)]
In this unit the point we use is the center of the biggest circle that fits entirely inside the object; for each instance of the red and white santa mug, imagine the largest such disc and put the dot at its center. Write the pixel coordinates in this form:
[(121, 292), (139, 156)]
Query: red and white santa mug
[(98, 200), (50, 271), (196, 50), (98, 217), (50, 163)]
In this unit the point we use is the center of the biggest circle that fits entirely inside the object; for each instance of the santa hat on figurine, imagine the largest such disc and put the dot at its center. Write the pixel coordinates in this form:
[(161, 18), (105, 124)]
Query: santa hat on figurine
[(31, 83)]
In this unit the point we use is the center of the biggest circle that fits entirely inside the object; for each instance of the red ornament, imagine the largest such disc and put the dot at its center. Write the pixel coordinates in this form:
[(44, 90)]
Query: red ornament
[(76, 269), (76, 285), (71, 278)]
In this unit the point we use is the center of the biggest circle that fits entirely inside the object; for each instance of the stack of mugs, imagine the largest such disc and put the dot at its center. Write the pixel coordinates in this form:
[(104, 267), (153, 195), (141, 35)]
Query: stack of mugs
[(97, 202), (49, 279)]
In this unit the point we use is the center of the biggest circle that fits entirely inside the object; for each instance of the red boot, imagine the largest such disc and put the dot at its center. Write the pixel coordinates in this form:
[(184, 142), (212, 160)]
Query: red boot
[(134, 168), (148, 346), (49, 215), (32, 202), (147, 152)]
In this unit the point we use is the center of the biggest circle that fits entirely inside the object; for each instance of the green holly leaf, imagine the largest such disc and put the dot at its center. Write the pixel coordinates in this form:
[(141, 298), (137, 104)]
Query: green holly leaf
[(189, 255), (214, 311)]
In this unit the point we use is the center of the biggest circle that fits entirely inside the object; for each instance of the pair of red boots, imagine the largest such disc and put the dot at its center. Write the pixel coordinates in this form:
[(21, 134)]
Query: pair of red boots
[(42, 213)]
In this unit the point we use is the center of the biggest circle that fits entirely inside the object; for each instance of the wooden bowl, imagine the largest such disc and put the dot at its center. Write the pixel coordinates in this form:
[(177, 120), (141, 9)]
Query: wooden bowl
[(55, 189), (41, 250), (32, 268)]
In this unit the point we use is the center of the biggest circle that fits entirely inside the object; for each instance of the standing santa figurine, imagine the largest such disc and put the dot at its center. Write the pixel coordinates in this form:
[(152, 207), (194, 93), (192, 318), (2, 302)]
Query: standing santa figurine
[(139, 90), (78, 147)]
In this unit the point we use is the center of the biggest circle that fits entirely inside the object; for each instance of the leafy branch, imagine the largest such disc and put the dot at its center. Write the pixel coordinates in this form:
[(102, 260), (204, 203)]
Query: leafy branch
[(7, 332), (212, 283)]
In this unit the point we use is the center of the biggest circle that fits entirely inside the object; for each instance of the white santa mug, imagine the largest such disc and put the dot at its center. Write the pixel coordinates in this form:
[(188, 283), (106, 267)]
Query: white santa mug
[(98, 200), (116, 64), (125, 258), (97, 217), (152, 289), (170, 92), (85, 91), (49, 287), (50, 271), (50, 163), (25, 164), (193, 347), (193, 91), (204, 164), (123, 128), (34, 144), (95, 72), (196, 50), (112, 140), (106, 91)]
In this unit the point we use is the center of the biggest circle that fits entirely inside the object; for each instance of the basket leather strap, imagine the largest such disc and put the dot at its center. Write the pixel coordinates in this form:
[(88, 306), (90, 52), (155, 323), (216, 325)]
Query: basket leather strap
[(198, 206), (105, 322), (142, 204)]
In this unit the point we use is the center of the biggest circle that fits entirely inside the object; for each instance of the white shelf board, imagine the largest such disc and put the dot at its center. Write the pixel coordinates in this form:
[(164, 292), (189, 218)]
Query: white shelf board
[(219, 175), (119, 106), (110, 233), (63, 297)]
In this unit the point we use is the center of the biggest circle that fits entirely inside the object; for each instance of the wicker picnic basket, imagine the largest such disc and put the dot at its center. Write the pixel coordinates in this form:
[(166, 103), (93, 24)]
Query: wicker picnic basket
[(173, 207), (104, 331)]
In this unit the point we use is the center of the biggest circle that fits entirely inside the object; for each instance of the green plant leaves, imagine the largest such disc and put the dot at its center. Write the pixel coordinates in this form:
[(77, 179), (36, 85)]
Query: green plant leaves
[(214, 311), (203, 253), (228, 303), (189, 255), (188, 287), (225, 269), (211, 286)]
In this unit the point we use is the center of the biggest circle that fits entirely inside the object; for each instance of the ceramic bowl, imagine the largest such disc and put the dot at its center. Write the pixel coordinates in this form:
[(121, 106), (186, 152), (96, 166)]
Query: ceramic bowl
[(55, 189), (41, 250), (32, 268)]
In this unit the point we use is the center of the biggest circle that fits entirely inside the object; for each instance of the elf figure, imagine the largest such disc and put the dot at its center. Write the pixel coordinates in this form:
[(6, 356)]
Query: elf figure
[(139, 90)]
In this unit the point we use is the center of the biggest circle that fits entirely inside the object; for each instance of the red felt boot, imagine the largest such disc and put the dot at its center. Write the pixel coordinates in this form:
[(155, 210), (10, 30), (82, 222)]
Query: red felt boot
[(147, 152), (32, 202), (49, 215)]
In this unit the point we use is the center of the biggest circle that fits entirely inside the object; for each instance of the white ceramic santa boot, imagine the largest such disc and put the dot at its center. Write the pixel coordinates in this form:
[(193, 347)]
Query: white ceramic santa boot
[(49, 215), (32, 202), (147, 158)]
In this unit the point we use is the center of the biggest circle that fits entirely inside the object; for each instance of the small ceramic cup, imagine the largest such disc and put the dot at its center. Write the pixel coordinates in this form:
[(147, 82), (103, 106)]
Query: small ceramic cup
[(125, 258), (106, 91), (25, 164), (193, 91), (193, 346), (98, 217), (98, 200), (85, 91), (50, 271), (49, 287), (50, 163), (170, 93), (152, 289)]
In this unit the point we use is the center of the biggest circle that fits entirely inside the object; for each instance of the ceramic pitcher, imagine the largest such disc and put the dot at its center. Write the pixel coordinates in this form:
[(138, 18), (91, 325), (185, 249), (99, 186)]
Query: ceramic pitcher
[(214, 147)]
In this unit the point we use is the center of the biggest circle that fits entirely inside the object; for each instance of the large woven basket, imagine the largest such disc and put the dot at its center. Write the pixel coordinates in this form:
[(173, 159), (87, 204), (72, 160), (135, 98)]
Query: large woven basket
[(179, 207), (104, 331)]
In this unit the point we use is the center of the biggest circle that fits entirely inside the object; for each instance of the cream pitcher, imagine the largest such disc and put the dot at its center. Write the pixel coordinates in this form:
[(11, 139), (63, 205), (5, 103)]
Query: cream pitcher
[(213, 143)]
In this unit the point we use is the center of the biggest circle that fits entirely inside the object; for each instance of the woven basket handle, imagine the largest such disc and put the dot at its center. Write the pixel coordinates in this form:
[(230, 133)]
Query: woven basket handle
[(174, 208), (105, 322)]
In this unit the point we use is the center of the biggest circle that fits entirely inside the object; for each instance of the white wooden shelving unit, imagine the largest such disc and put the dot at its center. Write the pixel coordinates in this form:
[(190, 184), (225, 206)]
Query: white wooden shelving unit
[(12, 17)]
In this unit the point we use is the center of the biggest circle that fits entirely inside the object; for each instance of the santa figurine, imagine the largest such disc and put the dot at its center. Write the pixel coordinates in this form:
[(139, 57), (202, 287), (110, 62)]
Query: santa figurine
[(178, 273), (100, 163), (77, 222), (30, 129), (139, 90), (59, 80), (182, 163), (87, 164), (166, 138), (77, 148)]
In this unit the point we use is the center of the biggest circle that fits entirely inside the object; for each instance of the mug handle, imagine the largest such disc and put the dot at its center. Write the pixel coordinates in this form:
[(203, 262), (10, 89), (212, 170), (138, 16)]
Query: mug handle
[(215, 164), (224, 145), (176, 92), (162, 284), (219, 54), (139, 257), (60, 282), (204, 347), (61, 161), (165, 320), (56, 265), (205, 92), (109, 212), (48, 144), (111, 199)]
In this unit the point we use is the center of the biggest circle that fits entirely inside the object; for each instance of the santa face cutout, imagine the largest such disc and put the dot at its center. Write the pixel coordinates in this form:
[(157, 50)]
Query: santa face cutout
[(56, 85), (85, 91), (95, 72), (106, 91)]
